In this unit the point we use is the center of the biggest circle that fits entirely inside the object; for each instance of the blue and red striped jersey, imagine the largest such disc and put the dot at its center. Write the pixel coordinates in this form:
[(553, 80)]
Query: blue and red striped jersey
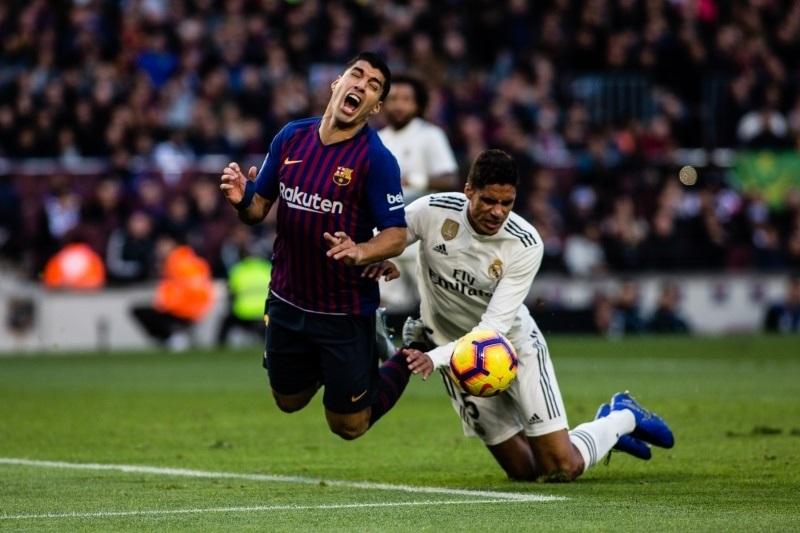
[(351, 186)]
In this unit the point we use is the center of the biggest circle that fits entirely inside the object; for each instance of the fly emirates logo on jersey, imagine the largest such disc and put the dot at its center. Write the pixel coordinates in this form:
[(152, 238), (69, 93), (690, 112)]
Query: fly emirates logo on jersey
[(462, 281), (297, 199)]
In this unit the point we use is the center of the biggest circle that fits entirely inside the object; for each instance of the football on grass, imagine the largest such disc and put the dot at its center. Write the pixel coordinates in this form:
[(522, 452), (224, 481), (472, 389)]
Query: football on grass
[(483, 363)]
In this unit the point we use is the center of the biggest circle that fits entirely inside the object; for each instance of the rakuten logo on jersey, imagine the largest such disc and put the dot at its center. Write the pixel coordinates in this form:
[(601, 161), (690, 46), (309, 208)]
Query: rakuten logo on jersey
[(297, 199), (395, 200)]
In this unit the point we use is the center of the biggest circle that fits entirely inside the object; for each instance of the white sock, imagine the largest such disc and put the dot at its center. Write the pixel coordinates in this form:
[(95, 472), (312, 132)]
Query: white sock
[(596, 438)]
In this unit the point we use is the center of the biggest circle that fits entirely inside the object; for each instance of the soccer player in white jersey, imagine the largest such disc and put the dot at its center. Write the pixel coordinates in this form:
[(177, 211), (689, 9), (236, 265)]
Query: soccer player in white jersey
[(426, 160), (475, 267)]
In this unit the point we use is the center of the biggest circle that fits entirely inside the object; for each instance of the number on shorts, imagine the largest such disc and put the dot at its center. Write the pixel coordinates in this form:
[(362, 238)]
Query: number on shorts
[(467, 409)]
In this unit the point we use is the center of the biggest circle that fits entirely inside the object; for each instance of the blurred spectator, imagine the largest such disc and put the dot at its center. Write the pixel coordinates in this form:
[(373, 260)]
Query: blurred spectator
[(666, 318), (765, 127), (784, 316), (583, 254), (59, 217), (427, 163), (663, 249), (178, 222), (131, 250), (248, 287), (623, 233), (173, 157), (183, 297), (211, 220), (150, 198), (244, 241), (627, 318), (603, 314), (102, 213), (11, 223)]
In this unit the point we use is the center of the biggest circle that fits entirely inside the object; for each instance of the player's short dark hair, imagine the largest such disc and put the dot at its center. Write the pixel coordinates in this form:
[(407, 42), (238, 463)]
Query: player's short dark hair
[(377, 62), (493, 167), (420, 91)]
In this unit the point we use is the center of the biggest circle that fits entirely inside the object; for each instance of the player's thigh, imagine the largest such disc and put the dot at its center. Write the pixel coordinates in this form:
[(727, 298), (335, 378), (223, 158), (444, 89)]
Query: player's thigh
[(291, 360), (494, 420), (348, 359), (535, 392)]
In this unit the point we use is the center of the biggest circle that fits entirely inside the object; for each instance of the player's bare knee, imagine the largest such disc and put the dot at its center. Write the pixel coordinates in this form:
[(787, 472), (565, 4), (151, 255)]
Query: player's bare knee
[(563, 470), (348, 430), (286, 407), (289, 404)]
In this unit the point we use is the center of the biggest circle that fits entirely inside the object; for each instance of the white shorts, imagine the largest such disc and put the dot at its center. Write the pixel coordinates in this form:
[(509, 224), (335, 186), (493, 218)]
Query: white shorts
[(531, 404)]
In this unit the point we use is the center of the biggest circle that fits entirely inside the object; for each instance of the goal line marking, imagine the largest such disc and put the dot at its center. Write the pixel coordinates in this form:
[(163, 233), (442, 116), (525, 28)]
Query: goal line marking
[(365, 485)]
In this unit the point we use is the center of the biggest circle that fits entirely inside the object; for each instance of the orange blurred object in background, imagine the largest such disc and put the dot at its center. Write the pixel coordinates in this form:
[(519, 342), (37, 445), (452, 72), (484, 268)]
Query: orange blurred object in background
[(186, 290), (76, 266)]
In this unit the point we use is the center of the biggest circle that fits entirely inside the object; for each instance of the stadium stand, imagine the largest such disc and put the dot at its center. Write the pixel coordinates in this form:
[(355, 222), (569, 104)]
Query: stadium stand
[(110, 108)]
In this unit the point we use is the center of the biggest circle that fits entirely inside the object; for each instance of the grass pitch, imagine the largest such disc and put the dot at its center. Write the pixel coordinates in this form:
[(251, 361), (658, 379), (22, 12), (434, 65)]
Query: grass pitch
[(734, 404)]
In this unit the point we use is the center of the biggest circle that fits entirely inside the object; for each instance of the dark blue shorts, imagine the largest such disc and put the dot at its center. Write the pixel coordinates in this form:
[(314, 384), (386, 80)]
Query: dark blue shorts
[(304, 350)]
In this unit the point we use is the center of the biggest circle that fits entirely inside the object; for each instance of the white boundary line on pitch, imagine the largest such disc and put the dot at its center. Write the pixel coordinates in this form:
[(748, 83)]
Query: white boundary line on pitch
[(257, 508), (366, 485)]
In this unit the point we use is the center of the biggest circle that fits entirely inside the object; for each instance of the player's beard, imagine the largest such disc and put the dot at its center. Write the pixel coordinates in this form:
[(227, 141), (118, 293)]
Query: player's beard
[(402, 122)]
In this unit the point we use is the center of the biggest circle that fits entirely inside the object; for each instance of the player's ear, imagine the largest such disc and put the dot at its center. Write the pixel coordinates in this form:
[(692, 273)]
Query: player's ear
[(377, 108), (468, 190), (335, 82)]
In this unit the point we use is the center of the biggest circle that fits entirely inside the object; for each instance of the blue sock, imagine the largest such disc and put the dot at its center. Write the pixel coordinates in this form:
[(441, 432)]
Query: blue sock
[(393, 377)]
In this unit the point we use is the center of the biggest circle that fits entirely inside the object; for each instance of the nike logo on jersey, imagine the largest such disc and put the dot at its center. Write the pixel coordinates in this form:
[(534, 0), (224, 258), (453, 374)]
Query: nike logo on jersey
[(441, 248), (288, 161), (355, 398)]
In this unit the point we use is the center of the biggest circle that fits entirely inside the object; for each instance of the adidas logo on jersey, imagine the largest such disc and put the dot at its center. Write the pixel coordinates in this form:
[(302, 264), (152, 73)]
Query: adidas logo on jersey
[(535, 419), (441, 248)]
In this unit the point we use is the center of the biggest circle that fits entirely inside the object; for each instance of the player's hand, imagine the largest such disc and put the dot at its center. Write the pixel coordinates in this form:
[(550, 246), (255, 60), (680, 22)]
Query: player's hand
[(342, 248), (385, 268), (418, 362), (232, 182)]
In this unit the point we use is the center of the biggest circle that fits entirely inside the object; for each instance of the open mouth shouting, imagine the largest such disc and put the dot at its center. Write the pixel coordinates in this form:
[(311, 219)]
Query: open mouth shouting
[(352, 101)]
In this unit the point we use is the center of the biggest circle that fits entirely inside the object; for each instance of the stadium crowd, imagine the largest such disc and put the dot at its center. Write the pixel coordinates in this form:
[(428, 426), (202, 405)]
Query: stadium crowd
[(592, 97)]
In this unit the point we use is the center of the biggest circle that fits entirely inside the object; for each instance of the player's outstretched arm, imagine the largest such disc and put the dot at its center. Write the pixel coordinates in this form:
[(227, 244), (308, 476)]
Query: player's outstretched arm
[(236, 187), (389, 242)]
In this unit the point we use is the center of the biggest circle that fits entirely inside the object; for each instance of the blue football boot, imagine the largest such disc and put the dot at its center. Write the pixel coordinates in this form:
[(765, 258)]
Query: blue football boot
[(650, 427), (626, 443)]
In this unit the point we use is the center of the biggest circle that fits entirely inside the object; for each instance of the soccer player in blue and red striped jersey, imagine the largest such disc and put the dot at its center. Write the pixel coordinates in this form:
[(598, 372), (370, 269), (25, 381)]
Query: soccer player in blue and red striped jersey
[(336, 183)]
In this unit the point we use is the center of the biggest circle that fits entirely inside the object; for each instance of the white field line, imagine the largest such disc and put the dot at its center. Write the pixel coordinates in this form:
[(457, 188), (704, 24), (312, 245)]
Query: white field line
[(365, 485), (252, 509)]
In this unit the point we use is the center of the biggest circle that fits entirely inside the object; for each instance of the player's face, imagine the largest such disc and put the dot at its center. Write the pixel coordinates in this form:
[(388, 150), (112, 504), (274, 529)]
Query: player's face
[(356, 94), (490, 206), (400, 105)]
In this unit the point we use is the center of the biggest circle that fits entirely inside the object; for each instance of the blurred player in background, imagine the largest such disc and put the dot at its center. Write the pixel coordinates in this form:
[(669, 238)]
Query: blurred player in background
[(426, 160), (477, 261), (336, 182)]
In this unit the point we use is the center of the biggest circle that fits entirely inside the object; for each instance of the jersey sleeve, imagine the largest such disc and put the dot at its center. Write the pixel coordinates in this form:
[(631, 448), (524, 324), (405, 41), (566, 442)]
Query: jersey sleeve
[(416, 219), (440, 356), (384, 194), (439, 155), (267, 178), (511, 291)]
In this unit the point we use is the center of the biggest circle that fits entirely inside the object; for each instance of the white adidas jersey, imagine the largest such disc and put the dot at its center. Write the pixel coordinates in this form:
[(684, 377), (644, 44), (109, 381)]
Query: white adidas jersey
[(471, 281)]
